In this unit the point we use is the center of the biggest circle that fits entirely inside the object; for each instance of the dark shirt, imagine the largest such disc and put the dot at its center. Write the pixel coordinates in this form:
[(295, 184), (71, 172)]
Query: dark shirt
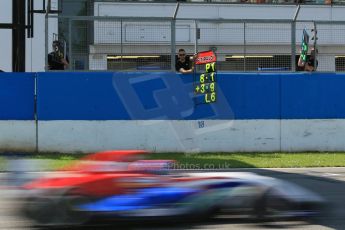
[(187, 65), (55, 61), (310, 62)]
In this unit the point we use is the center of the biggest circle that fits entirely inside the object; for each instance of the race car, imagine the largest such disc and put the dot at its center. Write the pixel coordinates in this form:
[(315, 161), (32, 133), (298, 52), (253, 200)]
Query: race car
[(103, 174), (95, 176), (209, 194), (121, 186)]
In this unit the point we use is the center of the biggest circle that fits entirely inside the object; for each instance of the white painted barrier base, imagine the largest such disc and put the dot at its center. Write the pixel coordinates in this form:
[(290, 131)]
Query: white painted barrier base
[(17, 136), (193, 136), (313, 135), (175, 136)]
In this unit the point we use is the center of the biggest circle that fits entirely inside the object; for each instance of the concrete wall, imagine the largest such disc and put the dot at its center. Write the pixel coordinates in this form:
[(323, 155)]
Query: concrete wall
[(17, 136), (222, 33), (220, 11), (313, 134), (86, 112), (188, 136)]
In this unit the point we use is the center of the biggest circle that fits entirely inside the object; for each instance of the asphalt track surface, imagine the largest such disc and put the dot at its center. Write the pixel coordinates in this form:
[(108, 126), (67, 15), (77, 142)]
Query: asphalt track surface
[(327, 182)]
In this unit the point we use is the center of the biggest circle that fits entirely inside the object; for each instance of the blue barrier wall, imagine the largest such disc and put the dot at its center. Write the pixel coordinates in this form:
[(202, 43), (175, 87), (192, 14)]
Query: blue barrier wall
[(103, 111), (143, 96), (78, 96), (17, 96), (313, 96)]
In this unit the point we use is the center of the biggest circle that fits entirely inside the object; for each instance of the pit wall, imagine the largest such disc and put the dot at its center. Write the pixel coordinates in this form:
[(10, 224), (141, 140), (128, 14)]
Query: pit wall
[(86, 112)]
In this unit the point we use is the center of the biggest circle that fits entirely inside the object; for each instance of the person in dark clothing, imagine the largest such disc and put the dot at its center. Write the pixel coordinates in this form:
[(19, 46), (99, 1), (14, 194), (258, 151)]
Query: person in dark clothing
[(309, 65), (184, 64), (56, 59)]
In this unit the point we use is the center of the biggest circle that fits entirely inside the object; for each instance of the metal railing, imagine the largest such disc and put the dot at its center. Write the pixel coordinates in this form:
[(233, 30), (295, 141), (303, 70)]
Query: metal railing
[(319, 2), (139, 44)]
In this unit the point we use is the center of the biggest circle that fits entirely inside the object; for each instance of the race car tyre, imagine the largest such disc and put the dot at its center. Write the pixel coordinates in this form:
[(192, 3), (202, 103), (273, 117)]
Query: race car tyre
[(271, 207), (56, 211)]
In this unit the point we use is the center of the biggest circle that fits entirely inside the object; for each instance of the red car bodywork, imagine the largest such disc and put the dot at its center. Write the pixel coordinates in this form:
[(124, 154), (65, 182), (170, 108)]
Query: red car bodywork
[(102, 174)]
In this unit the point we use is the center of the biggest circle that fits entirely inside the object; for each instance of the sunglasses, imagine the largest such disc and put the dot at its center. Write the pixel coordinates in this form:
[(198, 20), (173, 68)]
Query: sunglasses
[(182, 55)]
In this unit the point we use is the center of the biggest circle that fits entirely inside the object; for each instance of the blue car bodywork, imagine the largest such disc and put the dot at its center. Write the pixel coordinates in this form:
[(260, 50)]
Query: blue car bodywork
[(145, 198)]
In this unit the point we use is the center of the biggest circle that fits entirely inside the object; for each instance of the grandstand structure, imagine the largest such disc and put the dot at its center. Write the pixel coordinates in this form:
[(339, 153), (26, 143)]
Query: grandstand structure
[(144, 35), (251, 35)]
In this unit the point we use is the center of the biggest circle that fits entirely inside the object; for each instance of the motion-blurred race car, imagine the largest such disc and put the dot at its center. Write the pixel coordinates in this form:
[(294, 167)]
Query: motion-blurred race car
[(204, 195), (121, 186)]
